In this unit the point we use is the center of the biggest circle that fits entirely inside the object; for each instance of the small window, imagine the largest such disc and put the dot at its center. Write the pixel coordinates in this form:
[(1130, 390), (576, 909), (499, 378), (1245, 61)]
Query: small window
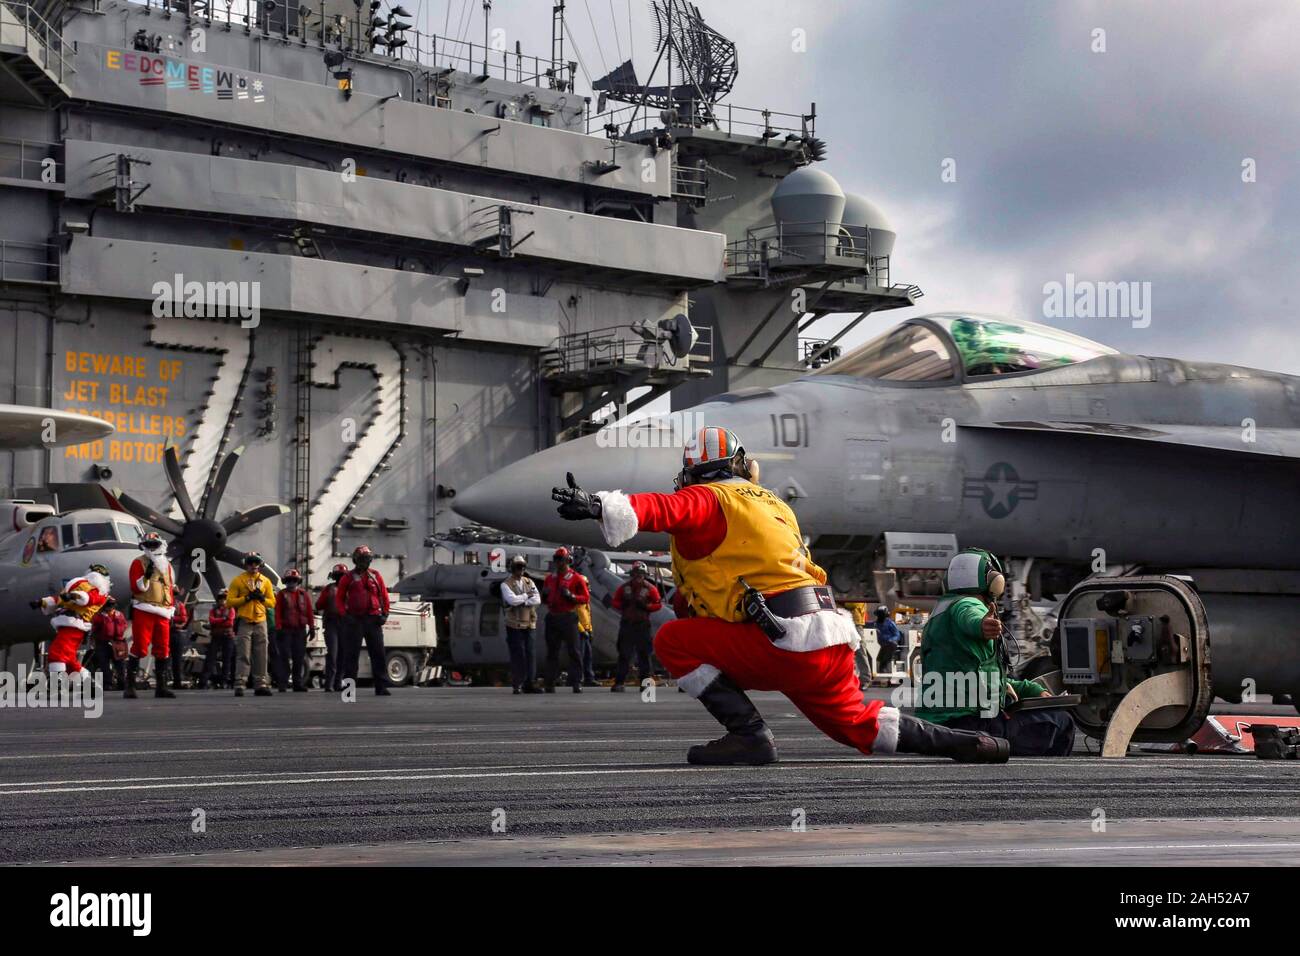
[(48, 539), (92, 531), (909, 353), (489, 622), (130, 533)]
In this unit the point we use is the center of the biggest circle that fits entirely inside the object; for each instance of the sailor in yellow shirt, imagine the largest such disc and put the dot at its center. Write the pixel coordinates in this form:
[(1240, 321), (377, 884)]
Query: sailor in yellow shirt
[(250, 594), (586, 636)]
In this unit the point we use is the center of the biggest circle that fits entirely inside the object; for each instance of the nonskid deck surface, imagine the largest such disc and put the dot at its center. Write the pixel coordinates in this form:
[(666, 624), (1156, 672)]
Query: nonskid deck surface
[(423, 777)]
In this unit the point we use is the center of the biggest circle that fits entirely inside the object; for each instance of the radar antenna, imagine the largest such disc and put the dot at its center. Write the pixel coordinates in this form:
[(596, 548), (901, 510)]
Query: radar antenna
[(701, 69)]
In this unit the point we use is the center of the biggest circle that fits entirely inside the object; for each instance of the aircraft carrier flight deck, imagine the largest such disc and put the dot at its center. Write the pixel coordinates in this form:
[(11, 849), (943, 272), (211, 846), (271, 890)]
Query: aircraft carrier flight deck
[(595, 778)]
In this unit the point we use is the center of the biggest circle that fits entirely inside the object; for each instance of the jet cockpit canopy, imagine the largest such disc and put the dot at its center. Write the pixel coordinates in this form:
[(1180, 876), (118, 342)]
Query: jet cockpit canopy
[(946, 347)]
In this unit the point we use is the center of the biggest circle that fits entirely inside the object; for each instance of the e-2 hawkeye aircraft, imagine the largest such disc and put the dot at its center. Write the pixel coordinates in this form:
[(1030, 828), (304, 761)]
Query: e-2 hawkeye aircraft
[(1017, 437)]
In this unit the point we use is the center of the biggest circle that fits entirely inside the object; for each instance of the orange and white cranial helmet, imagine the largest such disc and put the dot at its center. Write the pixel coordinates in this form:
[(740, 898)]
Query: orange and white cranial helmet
[(711, 449)]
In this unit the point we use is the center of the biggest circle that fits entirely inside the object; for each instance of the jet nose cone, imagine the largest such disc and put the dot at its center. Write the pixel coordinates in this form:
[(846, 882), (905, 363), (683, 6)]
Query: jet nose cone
[(518, 497)]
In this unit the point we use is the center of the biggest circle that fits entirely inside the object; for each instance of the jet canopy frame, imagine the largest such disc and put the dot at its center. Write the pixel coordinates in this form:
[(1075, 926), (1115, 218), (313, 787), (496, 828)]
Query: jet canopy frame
[(948, 349)]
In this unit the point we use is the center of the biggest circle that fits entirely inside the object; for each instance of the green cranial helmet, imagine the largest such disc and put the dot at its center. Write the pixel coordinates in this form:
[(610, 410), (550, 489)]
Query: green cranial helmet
[(976, 572)]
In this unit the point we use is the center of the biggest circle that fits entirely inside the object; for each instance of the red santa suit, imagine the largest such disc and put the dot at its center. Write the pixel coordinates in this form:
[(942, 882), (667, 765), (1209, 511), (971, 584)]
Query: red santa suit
[(71, 616), (152, 606), (727, 530)]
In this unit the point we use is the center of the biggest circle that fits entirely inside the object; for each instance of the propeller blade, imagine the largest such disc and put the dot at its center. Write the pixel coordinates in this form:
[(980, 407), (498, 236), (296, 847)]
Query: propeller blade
[(172, 462), (216, 581), (231, 555), (213, 497), (236, 557), (244, 519), (146, 514)]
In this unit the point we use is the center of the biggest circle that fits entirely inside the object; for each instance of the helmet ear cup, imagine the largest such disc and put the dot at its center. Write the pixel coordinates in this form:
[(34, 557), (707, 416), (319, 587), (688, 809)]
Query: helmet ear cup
[(995, 584)]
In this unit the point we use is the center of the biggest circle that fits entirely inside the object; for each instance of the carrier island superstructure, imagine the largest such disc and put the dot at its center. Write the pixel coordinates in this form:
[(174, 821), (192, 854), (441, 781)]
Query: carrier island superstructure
[(384, 262)]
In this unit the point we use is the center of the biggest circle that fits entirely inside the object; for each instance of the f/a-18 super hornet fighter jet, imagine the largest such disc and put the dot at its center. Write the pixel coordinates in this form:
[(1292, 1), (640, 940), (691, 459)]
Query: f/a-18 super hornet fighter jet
[(1020, 438)]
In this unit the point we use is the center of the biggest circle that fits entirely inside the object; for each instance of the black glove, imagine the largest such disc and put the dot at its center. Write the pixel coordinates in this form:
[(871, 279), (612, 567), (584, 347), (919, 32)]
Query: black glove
[(65, 597), (34, 605), (575, 504)]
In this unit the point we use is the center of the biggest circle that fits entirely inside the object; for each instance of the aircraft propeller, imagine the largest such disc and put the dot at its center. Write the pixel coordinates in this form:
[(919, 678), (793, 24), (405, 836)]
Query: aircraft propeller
[(200, 539)]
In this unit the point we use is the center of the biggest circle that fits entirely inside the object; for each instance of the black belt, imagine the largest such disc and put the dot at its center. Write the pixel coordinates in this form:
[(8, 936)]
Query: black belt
[(800, 601)]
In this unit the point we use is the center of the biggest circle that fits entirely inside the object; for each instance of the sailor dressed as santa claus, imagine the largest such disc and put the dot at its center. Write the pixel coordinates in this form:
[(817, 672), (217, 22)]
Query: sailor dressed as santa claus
[(761, 615), (70, 612), (153, 593)]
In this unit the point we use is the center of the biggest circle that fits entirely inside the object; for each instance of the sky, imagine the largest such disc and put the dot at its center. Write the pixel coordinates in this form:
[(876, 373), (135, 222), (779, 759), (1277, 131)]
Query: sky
[(1110, 157)]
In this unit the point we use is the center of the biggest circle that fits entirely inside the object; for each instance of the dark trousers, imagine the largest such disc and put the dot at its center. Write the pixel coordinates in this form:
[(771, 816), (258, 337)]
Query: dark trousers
[(562, 630), (114, 671), (1031, 733), (279, 654), (586, 640), (523, 666), (885, 659), (219, 665), (294, 644), (633, 639), (180, 640), (369, 629), (333, 648)]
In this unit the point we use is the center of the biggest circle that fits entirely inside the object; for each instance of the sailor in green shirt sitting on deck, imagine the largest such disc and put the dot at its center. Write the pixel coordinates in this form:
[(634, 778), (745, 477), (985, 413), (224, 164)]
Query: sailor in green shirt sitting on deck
[(965, 673)]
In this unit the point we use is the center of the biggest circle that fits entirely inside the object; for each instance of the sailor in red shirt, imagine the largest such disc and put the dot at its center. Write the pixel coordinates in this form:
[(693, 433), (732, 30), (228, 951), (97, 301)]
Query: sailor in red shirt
[(763, 618), (219, 666), (362, 600), (332, 623), (294, 622), (563, 590), (635, 600), (108, 630)]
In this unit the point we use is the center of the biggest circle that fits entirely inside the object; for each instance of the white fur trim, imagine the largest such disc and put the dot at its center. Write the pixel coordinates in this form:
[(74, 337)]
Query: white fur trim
[(697, 681), (812, 632), (617, 519), (67, 620), (886, 741), (156, 609), (99, 582)]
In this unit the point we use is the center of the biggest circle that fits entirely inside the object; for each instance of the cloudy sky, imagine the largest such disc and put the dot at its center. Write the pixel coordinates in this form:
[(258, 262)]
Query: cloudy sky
[(1122, 165)]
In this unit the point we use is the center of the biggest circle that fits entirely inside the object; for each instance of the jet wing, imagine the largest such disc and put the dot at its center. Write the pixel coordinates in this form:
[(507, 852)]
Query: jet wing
[(24, 426), (1267, 442)]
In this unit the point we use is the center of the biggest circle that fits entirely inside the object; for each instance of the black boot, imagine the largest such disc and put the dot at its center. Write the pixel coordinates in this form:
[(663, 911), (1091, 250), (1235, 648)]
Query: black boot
[(160, 678), (132, 669), (747, 741), (916, 736)]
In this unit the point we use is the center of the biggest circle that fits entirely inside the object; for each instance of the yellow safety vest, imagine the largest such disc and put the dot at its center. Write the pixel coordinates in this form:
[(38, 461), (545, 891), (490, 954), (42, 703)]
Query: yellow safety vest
[(763, 545), (83, 612)]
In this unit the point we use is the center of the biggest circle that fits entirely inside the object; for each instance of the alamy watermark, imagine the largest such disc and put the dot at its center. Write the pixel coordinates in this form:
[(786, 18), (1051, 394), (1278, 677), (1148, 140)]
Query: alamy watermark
[(38, 690), (1083, 299), (659, 431), (176, 298)]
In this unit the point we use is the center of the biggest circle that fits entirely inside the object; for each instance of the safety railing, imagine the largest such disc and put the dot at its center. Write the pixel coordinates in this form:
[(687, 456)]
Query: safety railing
[(813, 354), (620, 347), (28, 159), (733, 120), (35, 263), (22, 26), (311, 25), (794, 244)]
